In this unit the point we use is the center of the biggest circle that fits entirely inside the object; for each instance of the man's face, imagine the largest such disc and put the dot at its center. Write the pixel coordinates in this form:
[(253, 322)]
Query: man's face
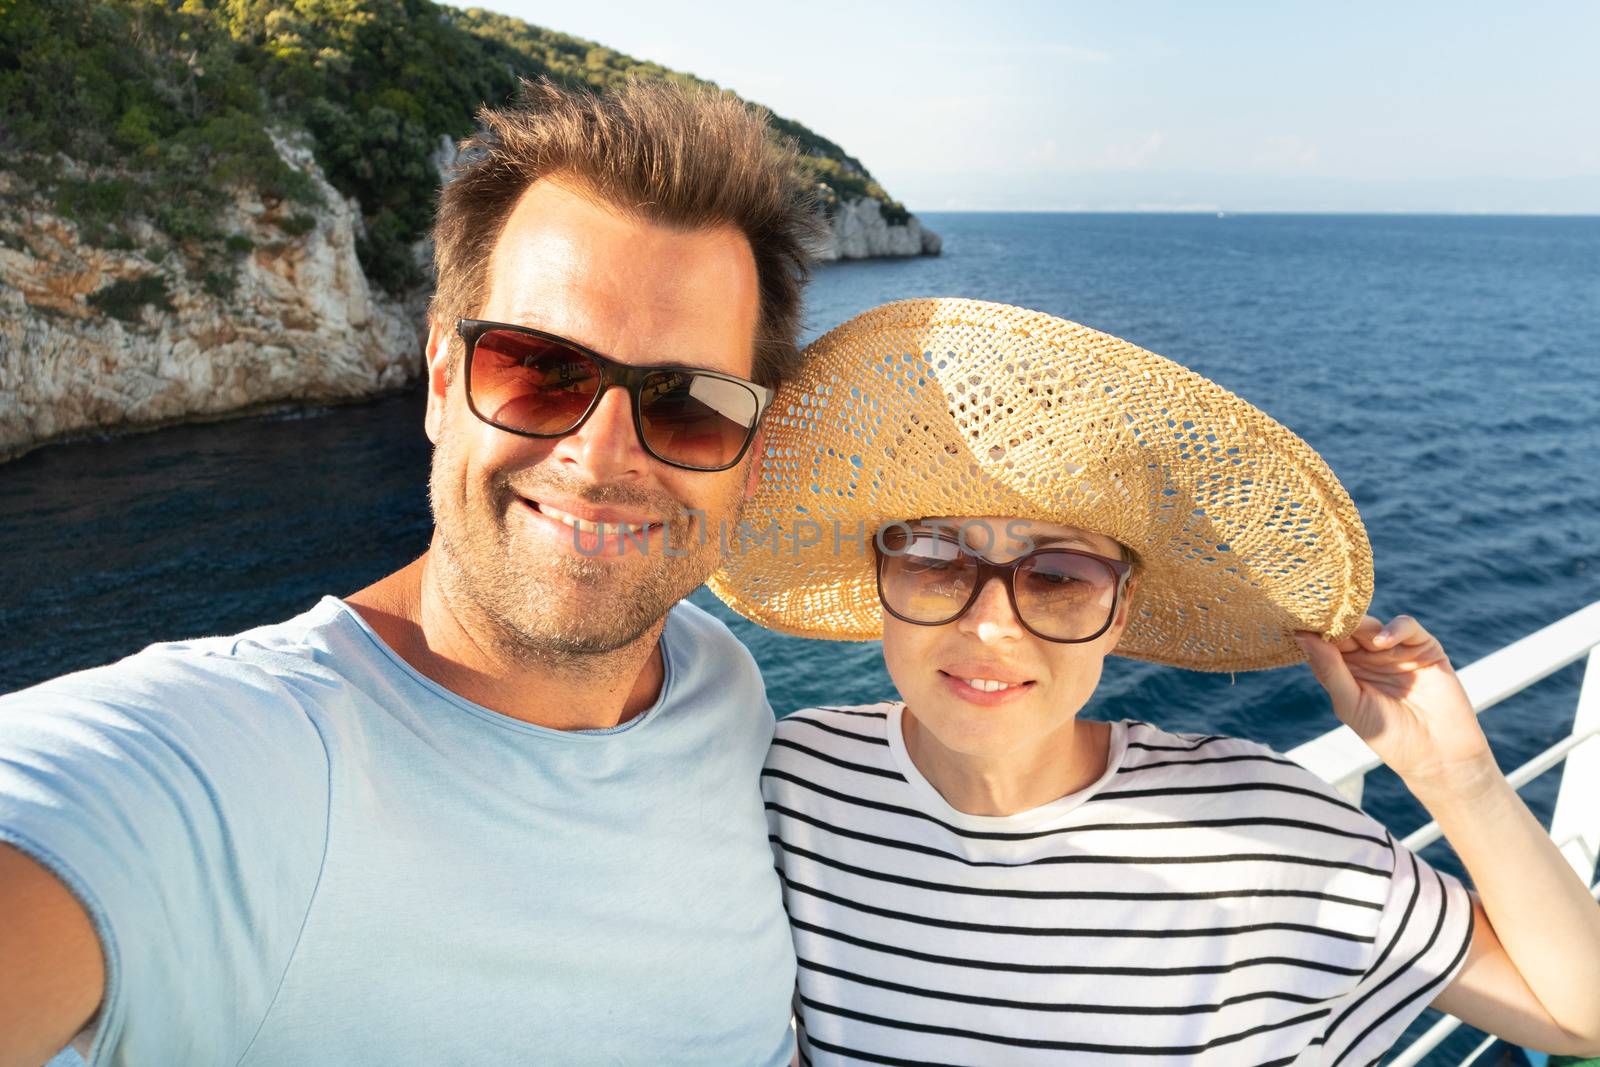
[(1051, 682), (503, 505)]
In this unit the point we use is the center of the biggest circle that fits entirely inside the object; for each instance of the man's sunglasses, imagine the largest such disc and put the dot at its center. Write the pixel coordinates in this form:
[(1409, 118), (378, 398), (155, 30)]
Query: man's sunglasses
[(535, 384), (1060, 594)]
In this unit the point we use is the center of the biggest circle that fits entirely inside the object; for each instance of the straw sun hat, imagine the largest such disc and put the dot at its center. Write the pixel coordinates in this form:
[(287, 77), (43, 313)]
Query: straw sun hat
[(1240, 532)]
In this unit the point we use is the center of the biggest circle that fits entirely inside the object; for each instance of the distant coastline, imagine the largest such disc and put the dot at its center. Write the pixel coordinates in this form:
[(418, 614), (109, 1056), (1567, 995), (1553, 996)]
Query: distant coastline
[(934, 215), (1133, 192)]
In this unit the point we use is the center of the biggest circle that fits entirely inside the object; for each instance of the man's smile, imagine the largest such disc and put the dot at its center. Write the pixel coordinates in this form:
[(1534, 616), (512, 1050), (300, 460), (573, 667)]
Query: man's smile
[(596, 532), (596, 521)]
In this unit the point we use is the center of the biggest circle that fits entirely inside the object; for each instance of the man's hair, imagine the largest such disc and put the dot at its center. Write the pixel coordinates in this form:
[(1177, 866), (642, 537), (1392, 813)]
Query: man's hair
[(680, 156)]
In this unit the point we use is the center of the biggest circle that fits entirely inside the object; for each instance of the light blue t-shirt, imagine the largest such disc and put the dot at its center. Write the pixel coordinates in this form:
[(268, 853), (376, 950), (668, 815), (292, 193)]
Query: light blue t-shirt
[(298, 850)]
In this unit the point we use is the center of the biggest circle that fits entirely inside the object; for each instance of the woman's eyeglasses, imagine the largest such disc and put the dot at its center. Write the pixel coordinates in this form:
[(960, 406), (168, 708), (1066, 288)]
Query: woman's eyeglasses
[(1059, 594), (536, 384)]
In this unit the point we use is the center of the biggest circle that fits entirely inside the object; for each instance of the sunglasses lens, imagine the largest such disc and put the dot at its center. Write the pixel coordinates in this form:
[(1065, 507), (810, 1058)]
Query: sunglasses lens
[(1065, 596), (695, 420), (530, 384), (924, 578)]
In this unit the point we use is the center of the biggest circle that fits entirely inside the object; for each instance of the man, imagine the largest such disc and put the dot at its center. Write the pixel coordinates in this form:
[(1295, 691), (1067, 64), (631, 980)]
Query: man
[(501, 805)]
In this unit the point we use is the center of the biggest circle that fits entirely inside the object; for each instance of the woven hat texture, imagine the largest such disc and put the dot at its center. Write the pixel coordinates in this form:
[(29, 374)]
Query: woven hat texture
[(948, 407)]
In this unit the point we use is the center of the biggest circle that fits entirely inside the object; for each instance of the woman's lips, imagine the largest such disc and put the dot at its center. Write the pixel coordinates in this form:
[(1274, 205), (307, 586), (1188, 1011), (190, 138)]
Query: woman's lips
[(984, 691)]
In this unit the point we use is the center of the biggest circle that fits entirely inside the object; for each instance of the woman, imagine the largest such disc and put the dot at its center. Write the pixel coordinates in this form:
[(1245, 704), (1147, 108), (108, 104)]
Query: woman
[(974, 875)]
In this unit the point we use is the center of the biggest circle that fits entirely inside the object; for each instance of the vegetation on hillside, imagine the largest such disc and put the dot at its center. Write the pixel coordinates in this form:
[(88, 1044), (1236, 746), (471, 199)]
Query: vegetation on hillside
[(161, 108)]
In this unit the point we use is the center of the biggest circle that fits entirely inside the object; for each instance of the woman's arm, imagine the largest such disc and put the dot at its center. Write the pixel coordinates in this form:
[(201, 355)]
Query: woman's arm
[(1532, 974)]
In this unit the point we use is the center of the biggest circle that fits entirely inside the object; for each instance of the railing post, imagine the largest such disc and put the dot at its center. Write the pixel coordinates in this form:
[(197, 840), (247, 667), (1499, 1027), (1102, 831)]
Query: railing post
[(1575, 824)]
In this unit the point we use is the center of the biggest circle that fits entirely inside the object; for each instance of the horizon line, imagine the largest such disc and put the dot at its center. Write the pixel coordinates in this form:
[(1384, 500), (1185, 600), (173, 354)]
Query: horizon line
[(1223, 212)]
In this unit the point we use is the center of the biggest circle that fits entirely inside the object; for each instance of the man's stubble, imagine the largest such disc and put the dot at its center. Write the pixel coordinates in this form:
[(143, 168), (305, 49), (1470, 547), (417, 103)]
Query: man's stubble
[(560, 609)]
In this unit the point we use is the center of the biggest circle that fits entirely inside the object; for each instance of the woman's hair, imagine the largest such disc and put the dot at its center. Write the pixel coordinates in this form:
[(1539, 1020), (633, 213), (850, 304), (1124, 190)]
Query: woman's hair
[(677, 155)]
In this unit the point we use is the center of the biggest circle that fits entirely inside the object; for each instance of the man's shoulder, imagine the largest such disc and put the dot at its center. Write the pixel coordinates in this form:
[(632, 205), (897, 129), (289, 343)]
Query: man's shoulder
[(705, 650), (194, 681), (715, 682), (695, 625)]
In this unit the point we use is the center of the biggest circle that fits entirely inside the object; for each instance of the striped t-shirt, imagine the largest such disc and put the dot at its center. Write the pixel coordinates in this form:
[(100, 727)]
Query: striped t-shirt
[(1206, 901)]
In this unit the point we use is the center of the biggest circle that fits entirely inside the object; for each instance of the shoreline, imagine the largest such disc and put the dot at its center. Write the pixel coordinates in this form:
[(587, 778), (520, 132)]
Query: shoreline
[(263, 410)]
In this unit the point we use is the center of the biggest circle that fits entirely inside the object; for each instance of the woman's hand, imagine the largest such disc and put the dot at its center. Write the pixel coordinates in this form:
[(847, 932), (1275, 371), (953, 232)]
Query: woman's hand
[(1393, 685)]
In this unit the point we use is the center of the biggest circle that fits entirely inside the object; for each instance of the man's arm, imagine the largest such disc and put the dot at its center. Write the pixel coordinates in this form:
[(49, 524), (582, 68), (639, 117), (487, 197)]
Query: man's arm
[(52, 973), (167, 820)]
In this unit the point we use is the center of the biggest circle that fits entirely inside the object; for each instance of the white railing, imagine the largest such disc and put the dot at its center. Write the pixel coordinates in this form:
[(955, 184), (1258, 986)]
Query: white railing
[(1342, 758)]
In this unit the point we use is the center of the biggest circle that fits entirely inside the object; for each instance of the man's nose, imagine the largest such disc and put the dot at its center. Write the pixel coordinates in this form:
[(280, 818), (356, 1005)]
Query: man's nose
[(990, 618), (606, 447)]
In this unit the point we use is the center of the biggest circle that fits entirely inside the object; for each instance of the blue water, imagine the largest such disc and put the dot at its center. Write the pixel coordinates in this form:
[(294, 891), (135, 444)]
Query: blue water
[(1447, 368)]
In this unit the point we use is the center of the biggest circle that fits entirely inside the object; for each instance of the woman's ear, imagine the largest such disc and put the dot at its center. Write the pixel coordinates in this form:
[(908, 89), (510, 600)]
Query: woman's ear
[(1128, 589)]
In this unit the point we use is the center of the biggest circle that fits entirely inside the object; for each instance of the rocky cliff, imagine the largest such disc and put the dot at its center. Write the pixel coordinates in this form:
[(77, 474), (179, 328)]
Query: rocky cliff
[(96, 339), (860, 231), (154, 346)]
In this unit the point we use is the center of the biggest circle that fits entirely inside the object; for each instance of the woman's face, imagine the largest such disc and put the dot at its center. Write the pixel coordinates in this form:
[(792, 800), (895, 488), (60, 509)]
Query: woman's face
[(934, 667)]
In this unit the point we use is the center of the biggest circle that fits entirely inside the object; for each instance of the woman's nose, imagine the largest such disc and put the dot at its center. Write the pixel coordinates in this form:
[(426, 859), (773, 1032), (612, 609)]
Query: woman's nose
[(990, 617)]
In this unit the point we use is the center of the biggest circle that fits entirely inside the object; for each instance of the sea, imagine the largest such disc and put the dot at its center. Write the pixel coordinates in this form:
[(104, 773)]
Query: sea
[(1446, 367)]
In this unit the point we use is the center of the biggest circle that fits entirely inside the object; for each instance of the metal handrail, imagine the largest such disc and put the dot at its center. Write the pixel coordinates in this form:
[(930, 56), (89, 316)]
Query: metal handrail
[(1341, 758)]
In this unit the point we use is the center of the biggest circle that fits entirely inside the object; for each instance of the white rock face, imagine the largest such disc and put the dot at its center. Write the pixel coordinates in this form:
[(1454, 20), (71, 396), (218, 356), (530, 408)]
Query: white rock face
[(302, 326), (860, 231)]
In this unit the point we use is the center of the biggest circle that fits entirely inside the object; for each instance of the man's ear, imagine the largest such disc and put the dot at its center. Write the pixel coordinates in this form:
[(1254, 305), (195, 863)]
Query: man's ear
[(753, 481), (437, 359)]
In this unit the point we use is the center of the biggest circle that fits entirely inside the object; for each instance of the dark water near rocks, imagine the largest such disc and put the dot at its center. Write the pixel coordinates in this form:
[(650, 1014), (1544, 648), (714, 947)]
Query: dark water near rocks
[(1447, 368)]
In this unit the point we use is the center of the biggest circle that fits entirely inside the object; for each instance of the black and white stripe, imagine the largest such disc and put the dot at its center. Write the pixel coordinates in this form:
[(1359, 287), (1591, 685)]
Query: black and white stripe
[(1207, 902)]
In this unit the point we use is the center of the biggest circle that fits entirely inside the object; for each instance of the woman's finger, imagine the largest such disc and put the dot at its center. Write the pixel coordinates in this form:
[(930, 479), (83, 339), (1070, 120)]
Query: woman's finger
[(1362, 635), (1329, 668), (1402, 630), (1429, 651), (1425, 646)]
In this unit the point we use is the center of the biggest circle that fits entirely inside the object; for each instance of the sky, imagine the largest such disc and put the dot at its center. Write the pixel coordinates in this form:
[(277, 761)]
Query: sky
[(1035, 105)]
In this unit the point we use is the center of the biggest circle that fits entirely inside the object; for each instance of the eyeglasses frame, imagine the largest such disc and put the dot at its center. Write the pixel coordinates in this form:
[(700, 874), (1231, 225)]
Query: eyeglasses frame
[(612, 372), (1007, 573)]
